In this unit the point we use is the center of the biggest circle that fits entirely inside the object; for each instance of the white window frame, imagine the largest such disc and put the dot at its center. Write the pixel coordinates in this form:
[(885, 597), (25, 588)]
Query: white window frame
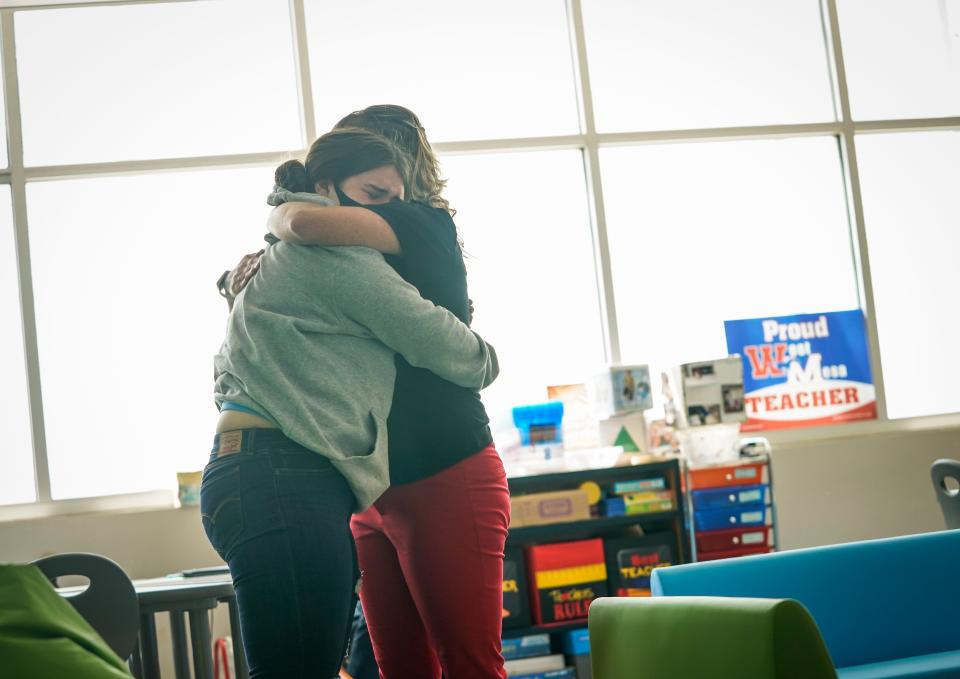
[(589, 141)]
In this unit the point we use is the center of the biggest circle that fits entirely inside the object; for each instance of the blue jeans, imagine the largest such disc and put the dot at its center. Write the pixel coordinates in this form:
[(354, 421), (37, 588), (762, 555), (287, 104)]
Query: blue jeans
[(279, 515), (361, 664)]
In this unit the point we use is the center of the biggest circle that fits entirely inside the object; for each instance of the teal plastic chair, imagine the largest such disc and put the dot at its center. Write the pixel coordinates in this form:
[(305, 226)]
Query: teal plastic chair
[(696, 637), (885, 608), (949, 499)]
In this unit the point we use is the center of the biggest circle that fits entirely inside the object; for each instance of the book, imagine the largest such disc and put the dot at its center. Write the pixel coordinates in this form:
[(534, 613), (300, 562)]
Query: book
[(638, 486), (565, 673), (525, 646), (531, 665)]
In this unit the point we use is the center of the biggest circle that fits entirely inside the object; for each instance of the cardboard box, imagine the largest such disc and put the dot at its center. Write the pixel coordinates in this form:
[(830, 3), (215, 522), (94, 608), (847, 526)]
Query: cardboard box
[(565, 578), (538, 509)]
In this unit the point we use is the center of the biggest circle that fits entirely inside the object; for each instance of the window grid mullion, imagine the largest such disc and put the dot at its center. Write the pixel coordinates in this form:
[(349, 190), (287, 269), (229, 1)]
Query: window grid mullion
[(861, 255), (22, 242), (601, 244), (301, 60)]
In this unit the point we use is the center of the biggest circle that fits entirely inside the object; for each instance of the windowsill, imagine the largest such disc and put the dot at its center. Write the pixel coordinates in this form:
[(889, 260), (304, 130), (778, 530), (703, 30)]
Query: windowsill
[(858, 429), (155, 500), (150, 500)]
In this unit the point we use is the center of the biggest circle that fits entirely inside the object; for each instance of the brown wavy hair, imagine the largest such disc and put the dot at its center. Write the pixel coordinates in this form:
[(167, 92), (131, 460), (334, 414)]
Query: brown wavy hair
[(402, 126), (339, 154)]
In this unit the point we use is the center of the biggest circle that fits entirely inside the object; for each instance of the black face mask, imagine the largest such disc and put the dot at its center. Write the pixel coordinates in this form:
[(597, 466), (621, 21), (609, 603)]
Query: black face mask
[(346, 200)]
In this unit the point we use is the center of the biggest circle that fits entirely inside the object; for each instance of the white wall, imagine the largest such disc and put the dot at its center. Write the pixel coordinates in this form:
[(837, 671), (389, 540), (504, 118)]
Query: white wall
[(859, 487)]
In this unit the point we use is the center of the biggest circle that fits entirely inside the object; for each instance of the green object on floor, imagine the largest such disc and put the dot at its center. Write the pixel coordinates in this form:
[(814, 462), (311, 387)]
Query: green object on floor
[(42, 636), (696, 637)]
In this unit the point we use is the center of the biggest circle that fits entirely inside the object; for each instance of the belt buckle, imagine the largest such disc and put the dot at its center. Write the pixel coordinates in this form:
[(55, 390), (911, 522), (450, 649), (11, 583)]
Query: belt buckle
[(230, 442)]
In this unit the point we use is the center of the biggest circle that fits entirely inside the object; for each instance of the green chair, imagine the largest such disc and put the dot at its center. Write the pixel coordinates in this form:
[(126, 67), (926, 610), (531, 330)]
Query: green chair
[(42, 635), (698, 637)]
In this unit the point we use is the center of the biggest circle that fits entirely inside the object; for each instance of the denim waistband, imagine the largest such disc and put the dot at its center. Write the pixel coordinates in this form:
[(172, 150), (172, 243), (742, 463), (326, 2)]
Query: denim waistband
[(255, 440)]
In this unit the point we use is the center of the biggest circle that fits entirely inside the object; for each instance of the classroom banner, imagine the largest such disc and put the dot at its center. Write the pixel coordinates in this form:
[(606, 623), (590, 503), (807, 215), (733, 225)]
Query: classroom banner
[(803, 370)]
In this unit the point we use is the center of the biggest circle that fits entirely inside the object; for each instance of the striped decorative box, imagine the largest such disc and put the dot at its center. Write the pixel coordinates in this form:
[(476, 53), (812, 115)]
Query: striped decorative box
[(565, 578)]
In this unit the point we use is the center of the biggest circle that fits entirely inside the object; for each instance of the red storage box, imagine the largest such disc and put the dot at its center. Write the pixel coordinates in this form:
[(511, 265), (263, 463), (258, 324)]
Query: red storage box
[(730, 475), (565, 578), (734, 538)]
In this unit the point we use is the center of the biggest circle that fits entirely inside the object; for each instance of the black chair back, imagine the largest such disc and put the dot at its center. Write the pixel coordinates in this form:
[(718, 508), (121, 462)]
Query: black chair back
[(109, 604), (948, 497)]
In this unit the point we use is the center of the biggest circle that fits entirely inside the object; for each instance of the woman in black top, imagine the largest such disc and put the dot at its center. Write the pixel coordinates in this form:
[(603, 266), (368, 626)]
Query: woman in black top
[(431, 549)]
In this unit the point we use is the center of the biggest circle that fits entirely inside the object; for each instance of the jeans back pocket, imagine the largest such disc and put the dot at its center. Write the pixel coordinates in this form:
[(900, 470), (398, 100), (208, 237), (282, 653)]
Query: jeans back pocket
[(221, 510)]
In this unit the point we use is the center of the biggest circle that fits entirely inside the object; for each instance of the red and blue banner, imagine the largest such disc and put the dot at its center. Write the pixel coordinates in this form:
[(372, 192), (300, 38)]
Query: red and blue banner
[(803, 370)]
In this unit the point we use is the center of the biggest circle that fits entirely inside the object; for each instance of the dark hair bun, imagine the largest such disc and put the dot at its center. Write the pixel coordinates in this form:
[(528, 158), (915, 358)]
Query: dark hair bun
[(292, 176)]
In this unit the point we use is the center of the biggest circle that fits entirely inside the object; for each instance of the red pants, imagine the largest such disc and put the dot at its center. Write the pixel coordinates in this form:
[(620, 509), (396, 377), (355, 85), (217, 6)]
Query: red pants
[(431, 553)]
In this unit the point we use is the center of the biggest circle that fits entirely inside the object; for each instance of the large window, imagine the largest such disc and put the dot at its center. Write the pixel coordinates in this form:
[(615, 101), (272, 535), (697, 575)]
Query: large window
[(531, 270), (16, 459), (128, 319), (702, 233), (902, 57), (471, 70), (912, 203), (702, 63), (156, 81), (627, 175)]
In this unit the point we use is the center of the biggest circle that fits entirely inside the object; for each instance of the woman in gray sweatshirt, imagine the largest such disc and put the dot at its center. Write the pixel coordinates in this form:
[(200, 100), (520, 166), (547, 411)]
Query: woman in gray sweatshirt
[(305, 380)]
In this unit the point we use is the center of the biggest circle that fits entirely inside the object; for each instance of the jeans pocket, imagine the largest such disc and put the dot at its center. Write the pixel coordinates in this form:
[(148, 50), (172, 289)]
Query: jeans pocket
[(221, 511)]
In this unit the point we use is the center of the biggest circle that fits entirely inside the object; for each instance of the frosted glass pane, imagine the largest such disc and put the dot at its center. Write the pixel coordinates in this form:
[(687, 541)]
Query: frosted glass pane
[(902, 57), (128, 318), (702, 233), (912, 212), (16, 453), (702, 63), (157, 81), (531, 270), (470, 70)]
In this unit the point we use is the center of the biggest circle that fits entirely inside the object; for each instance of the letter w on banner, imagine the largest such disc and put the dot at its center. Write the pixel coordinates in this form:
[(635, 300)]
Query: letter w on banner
[(803, 370)]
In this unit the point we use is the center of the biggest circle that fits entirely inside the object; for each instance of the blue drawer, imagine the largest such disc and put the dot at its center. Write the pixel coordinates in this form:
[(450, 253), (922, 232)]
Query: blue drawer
[(719, 498), (717, 519)]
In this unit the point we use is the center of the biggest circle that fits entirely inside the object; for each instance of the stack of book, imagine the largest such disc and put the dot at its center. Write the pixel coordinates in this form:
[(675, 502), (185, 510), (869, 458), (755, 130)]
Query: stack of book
[(529, 657), (642, 496)]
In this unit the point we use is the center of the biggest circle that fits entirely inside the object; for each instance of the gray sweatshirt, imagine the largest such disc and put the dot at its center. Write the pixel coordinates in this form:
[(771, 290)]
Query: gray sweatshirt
[(311, 343)]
